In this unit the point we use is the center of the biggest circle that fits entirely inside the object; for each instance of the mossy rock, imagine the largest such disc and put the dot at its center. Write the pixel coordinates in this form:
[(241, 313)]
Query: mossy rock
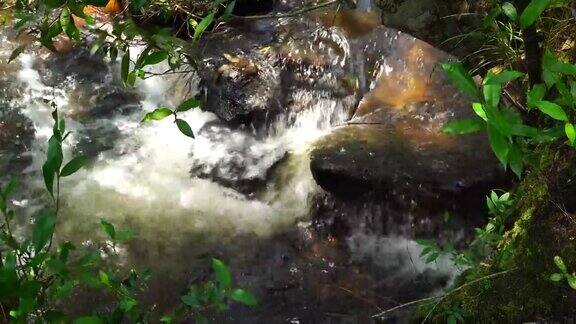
[(542, 229)]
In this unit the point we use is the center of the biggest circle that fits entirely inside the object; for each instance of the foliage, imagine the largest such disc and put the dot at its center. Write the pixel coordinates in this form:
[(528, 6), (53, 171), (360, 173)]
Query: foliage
[(509, 133), (36, 280), (163, 112), (563, 274)]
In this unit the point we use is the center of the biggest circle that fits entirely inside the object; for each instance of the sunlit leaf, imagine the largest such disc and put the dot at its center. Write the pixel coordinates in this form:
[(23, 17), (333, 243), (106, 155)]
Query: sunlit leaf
[(461, 78), (535, 95), (503, 77), (463, 126), (553, 110), (157, 114), (203, 25), (556, 277), (570, 132), (571, 281), (155, 58), (560, 264), (244, 297)]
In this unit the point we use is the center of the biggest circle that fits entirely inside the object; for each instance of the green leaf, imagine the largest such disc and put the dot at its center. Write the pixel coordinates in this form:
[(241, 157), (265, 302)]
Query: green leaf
[(492, 92), (503, 77), (16, 52), (556, 277), (510, 11), (203, 25), (515, 160), (108, 229), (463, 126), (553, 110), (155, 58), (65, 18), (479, 110), (157, 114), (223, 274), (461, 78), (560, 264), (535, 95), (89, 320), (570, 132), (54, 3), (188, 104), (104, 278), (571, 281), (125, 66), (499, 144), (43, 230), (244, 297), (74, 165), (184, 128), (228, 11), (53, 162), (532, 12)]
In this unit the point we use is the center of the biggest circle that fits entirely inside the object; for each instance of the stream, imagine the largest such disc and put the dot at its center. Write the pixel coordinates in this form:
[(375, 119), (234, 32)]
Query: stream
[(239, 192)]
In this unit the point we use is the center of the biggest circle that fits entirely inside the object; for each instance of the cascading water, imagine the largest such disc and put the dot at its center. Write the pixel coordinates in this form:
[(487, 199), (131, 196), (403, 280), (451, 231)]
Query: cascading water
[(180, 195)]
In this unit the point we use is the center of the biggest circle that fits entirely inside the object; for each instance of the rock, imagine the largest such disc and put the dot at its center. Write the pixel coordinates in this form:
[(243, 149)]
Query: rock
[(393, 144), (16, 136)]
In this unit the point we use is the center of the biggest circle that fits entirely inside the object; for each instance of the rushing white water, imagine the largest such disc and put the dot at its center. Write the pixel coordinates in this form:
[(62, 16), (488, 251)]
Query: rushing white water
[(144, 181)]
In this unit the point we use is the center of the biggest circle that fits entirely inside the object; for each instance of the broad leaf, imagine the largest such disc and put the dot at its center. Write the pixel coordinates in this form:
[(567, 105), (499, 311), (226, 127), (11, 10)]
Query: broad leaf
[(108, 229), (532, 12), (188, 104), (74, 165), (157, 114), (510, 11), (43, 230), (464, 126), (503, 77), (223, 275), (125, 66), (203, 25), (499, 144), (535, 95), (155, 58), (16, 52), (244, 297), (515, 160), (461, 78), (571, 281), (53, 162), (570, 132), (560, 264), (184, 128), (553, 110), (479, 110), (556, 277)]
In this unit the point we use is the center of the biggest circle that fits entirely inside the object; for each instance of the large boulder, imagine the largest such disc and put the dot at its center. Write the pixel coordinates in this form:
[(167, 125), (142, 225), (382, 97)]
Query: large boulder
[(393, 144)]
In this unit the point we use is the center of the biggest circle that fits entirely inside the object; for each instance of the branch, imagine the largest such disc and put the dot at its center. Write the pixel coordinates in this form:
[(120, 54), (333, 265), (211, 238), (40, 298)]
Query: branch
[(289, 14), (444, 296)]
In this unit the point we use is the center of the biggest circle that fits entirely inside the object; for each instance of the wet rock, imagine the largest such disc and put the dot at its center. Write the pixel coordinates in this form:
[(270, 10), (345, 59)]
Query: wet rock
[(16, 136), (393, 144), (234, 158), (103, 102), (78, 64)]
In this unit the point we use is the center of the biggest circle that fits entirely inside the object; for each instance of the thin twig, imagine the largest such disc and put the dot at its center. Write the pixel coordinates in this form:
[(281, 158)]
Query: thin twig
[(286, 15), (444, 296)]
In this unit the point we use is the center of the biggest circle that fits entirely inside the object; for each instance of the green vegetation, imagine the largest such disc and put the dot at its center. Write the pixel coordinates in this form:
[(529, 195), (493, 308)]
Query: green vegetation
[(36, 280)]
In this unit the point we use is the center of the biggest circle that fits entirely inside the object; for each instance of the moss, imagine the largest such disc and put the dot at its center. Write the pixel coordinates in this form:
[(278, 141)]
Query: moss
[(539, 231)]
